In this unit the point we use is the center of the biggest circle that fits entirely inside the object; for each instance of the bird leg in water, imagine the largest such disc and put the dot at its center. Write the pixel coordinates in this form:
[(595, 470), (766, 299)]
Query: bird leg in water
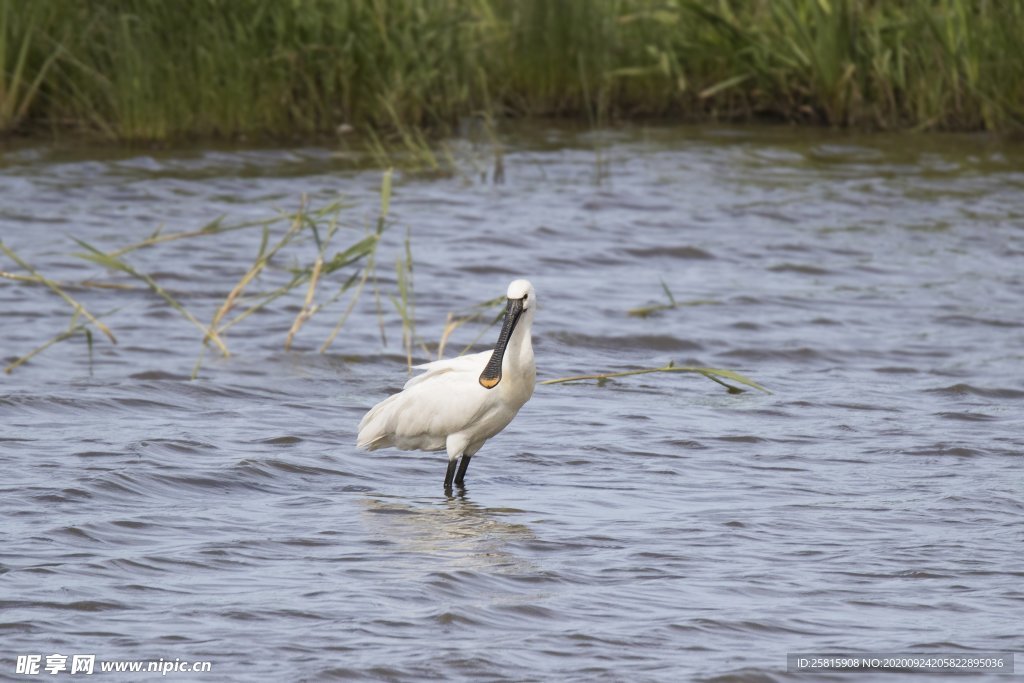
[(460, 478), (450, 474)]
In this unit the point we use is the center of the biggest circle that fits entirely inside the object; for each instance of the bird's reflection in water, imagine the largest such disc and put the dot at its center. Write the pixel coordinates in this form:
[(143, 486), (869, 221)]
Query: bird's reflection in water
[(455, 528)]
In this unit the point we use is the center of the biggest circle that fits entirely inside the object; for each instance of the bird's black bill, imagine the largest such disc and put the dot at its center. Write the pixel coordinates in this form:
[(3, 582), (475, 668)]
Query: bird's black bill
[(491, 375)]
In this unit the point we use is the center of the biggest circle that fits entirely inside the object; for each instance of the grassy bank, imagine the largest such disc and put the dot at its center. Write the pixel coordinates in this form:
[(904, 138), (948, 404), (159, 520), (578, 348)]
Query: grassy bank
[(154, 70)]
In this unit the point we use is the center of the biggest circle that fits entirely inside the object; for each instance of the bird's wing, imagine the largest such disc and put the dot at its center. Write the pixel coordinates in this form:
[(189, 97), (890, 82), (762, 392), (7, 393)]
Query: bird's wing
[(438, 402), (473, 363), (422, 416)]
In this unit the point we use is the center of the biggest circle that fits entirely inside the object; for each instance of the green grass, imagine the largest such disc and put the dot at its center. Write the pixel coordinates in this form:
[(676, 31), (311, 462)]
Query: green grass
[(157, 70)]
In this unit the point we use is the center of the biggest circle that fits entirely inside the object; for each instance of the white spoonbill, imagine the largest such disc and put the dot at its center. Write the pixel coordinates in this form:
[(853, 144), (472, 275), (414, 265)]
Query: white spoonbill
[(457, 404)]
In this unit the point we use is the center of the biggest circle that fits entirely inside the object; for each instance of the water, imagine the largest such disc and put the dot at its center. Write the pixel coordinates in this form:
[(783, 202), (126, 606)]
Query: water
[(655, 528)]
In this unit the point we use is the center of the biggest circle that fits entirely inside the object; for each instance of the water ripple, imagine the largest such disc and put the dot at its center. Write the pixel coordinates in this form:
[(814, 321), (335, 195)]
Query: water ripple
[(649, 528)]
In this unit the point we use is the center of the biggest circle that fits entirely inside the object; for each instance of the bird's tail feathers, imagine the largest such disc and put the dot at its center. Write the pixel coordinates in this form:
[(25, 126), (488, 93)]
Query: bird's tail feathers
[(372, 444), (373, 432)]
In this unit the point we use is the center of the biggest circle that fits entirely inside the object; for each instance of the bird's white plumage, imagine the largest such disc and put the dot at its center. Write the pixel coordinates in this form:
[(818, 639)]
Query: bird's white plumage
[(447, 408)]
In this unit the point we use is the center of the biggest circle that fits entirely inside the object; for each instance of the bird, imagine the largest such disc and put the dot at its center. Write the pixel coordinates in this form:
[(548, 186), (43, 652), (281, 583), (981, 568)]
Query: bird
[(457, 404)]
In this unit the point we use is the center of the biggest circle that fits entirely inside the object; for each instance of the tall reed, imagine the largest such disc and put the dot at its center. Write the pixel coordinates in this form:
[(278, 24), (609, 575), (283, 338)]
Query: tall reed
[(27, 53)]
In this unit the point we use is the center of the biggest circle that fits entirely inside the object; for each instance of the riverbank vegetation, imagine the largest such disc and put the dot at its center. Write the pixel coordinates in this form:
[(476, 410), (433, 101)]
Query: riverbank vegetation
[(155, 70)]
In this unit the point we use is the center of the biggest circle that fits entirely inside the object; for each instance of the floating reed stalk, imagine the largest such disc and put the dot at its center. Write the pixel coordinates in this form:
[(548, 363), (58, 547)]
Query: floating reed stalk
[(714, 374)]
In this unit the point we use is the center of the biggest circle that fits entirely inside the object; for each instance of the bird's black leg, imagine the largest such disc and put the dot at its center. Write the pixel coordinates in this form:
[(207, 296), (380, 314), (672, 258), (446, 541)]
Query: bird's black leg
[(450, 474), (460, 478)]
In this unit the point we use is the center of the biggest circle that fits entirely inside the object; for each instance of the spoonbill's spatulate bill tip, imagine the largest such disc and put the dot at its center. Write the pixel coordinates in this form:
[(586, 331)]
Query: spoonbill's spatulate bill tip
[(457, 404)]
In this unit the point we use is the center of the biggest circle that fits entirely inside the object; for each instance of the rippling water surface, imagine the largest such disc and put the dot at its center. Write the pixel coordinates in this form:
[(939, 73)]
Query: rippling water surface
[(654, 528)]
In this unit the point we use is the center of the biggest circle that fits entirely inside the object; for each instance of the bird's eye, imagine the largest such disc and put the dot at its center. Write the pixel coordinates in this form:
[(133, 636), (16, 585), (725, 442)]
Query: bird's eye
[(525, 297)]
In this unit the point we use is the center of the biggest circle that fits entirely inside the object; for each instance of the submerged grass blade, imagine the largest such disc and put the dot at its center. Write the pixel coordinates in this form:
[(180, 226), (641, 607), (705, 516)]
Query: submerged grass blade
[(668, 293), (646, 311), (88, 344)]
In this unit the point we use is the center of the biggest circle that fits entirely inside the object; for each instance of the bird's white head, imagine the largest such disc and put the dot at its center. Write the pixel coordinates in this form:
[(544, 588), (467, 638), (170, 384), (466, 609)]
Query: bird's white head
[(522, 290)]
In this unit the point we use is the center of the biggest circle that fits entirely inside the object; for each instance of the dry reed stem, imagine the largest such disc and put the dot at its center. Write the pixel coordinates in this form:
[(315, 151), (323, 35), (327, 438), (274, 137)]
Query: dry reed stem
[(453, 323), (261, 261), (450, 325), (21, 278), (351, 305), (307, 307)]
